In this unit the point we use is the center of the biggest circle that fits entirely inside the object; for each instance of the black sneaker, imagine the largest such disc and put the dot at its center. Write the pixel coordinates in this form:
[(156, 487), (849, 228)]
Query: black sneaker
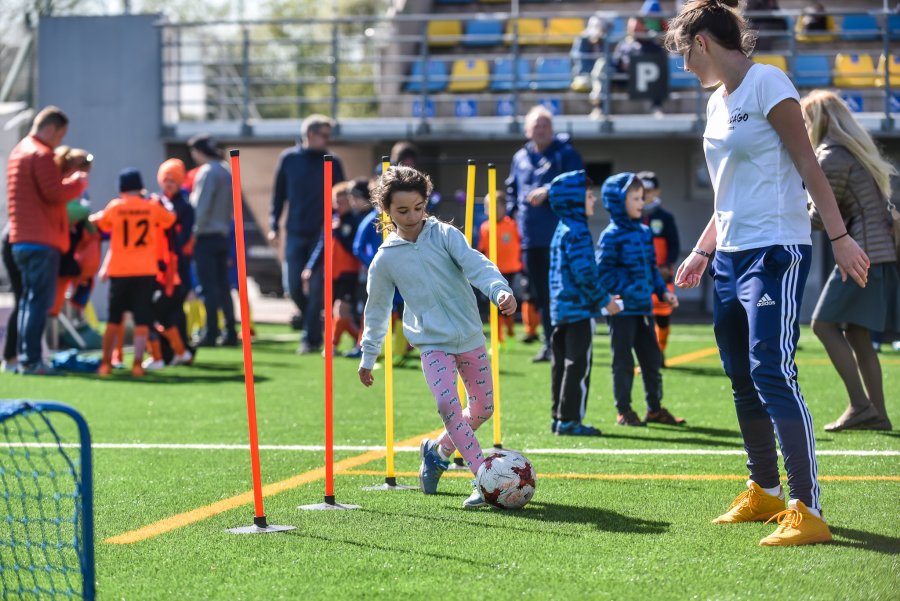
[(629, 418), (542, 356), (530, 338)]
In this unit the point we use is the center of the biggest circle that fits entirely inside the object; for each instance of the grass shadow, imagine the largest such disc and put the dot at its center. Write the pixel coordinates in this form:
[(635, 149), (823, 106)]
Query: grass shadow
[(691, 440), (867, 541), (418, 552), (697, 370), (604, 520)]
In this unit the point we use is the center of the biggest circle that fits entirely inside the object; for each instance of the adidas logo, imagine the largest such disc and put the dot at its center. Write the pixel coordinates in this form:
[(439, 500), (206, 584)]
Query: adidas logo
[(765, 301)]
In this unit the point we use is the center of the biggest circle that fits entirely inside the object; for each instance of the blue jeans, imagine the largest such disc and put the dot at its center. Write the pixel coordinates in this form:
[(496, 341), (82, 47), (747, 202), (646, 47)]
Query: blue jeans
[(39, 266), (297, 251), (757, 303), (211, 255)]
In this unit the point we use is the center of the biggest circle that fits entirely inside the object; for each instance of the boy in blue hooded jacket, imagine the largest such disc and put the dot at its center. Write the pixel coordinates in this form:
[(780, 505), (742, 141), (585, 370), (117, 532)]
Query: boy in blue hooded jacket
[(628, 269), (576, 298)]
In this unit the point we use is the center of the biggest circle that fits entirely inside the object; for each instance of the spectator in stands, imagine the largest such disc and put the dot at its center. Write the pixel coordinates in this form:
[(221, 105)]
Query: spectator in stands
[(38, 228), (638, 40), (665, 242), (768, 27), (299, 180), (534, 166), (846, 312), (213, 207), (762, 167), (588, 62), (814, 19)]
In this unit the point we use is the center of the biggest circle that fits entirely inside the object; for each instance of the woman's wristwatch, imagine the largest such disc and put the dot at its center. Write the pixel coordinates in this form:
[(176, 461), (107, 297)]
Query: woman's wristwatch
[(701, 252)]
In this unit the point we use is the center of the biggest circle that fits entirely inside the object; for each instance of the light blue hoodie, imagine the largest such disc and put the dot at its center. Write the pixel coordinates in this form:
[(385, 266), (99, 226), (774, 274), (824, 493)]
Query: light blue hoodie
[(433, 275)]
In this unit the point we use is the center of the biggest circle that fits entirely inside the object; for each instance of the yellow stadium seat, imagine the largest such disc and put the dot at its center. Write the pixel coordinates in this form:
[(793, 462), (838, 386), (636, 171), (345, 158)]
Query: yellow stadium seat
[(894, 72), (531, 31), (469, 75), (775, 60), (444, 32), (562, 30), (854, 71), (819, 36)]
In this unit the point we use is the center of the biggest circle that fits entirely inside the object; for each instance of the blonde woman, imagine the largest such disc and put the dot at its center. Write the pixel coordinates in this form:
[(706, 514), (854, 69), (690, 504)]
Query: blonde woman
[(758, 158), (845, 313)]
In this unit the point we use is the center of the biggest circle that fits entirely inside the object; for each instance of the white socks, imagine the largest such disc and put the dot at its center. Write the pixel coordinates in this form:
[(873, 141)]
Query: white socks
[(775, 492), (442, 453)]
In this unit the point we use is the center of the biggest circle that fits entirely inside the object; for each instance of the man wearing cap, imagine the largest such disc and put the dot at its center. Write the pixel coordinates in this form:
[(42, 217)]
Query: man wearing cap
[(213, 207), (666, 244), (39, 227), (299, 181)]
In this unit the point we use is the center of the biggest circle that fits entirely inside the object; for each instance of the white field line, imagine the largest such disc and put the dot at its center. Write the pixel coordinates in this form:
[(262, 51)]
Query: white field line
[(360, 448)]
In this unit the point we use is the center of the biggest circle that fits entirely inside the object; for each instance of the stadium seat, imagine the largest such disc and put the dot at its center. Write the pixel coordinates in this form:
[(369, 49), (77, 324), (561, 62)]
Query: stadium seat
[(776, 60), (551, 74), (893, 25), (854, 71), (894, 71), (469, 75), (562, 30), (483, 32), (812, 71), (617, 30), (531, 31), (502, 78), (437, 76), (860, 28), (444, 32), (679, 79), (819, 36)]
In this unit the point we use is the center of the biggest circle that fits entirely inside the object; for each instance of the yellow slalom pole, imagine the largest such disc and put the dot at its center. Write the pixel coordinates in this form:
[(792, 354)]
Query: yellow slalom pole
[(495, 325), (390, 478), (470, 217)]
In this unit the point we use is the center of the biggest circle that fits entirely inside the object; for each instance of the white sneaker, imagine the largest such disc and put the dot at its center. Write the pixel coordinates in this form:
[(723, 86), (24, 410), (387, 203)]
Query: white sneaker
[(184, 358), (475, 499), (153, 364), (9, 367)]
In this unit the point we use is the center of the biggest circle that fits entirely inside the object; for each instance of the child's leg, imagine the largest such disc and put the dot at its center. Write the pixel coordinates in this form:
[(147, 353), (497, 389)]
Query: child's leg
[(440, 373), (557, 367), (509, 323), (649, 358), (530, 318), (621, 338), (576, 346), (662, 331)]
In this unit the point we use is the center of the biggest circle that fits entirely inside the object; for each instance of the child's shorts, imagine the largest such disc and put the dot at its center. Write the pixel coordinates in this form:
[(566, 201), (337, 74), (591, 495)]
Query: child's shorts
[(133, 294)]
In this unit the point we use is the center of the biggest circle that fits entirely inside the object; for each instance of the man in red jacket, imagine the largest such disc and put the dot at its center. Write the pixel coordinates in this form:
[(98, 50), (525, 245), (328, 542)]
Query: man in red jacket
[(39, 227)]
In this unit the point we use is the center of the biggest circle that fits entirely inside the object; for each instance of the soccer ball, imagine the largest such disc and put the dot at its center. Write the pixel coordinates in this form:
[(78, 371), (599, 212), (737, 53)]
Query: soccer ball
[(506, 479)]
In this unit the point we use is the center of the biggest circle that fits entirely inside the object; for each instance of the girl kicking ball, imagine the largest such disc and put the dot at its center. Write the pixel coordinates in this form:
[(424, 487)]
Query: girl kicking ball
[(433, 267)]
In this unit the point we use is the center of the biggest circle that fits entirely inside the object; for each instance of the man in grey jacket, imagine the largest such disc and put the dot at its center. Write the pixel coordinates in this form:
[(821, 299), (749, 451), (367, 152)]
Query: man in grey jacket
[(212, 202)]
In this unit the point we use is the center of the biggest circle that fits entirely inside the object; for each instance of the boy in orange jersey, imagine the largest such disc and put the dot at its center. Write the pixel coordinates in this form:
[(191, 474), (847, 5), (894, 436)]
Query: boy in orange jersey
[(509, 251), (132, 222), (344, 264)]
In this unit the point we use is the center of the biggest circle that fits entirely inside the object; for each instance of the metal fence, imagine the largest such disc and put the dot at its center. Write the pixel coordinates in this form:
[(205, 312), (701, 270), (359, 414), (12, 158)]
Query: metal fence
[(379, 67)]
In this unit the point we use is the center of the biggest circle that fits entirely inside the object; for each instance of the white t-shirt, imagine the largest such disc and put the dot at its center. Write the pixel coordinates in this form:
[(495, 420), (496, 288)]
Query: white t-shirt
[(760, 200)]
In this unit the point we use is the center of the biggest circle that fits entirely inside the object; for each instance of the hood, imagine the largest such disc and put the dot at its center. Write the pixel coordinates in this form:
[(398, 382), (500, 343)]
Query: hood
[(394, 239), (567, 192), (613, 195)]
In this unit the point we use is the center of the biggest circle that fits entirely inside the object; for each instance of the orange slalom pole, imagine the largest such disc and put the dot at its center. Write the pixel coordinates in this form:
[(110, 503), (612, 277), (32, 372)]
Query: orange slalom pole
[(259, 519), (329, 342)]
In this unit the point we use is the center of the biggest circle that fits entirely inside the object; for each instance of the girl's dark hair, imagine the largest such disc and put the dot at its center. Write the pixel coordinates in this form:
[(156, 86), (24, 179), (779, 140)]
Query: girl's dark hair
[(361, 188), (399, 179), (718, 19)]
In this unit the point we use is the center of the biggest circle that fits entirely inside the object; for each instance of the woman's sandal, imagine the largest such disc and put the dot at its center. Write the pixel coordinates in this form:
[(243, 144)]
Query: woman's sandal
[(854, 419)]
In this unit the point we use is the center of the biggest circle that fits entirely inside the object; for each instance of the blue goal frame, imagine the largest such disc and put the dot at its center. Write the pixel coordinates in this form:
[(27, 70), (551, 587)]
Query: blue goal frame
[(13, 407)]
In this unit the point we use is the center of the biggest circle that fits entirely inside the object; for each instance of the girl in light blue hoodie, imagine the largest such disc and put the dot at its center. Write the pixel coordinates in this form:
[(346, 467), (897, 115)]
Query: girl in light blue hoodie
[(433, 267)]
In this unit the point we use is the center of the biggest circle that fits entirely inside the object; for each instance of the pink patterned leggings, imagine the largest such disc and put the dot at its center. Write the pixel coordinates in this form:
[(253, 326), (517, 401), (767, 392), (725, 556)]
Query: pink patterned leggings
[(440, 372)]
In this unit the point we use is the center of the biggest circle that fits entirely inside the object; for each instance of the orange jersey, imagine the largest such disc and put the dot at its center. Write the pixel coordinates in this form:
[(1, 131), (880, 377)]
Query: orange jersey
[(509, 244), (133, 224)]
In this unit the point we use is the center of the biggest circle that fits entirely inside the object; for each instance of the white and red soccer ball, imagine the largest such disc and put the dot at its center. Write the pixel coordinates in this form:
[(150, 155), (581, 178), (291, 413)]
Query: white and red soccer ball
[(506, 479)]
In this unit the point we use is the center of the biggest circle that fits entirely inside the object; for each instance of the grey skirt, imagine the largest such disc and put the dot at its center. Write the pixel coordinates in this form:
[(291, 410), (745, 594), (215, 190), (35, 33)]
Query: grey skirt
[(875, 307)]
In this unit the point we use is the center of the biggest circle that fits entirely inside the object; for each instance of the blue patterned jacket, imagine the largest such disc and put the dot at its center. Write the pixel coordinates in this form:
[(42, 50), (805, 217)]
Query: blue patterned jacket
[(576, 292), (625, 252)]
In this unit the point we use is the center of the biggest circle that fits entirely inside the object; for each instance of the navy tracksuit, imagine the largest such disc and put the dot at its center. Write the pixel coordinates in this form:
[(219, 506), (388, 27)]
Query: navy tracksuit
[(757, 303)]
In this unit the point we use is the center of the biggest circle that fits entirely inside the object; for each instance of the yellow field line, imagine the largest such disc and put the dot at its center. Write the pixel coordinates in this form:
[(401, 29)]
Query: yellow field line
[(461, 474), (688, 357), (201, 513)]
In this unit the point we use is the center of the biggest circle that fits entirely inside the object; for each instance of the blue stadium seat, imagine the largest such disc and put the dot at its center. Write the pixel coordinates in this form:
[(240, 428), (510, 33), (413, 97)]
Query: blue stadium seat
[(552, 74), (502, 76), (438, 75), (483, 32), (679, 79), (893, 24), (812, 71), (860, 27), (617, 30)]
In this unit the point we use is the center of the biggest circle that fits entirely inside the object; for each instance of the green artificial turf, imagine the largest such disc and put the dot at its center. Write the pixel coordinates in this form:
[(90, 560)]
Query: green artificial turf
[(607, 537)]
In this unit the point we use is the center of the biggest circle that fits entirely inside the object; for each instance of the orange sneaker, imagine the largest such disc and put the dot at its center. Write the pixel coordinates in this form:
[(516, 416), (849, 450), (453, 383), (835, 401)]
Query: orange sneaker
[(104, 370), (752, 505), (797, 526)]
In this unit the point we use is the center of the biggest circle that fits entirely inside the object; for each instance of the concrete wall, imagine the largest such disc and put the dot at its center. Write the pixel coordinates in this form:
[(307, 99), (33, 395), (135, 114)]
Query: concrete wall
[(104, 72)]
